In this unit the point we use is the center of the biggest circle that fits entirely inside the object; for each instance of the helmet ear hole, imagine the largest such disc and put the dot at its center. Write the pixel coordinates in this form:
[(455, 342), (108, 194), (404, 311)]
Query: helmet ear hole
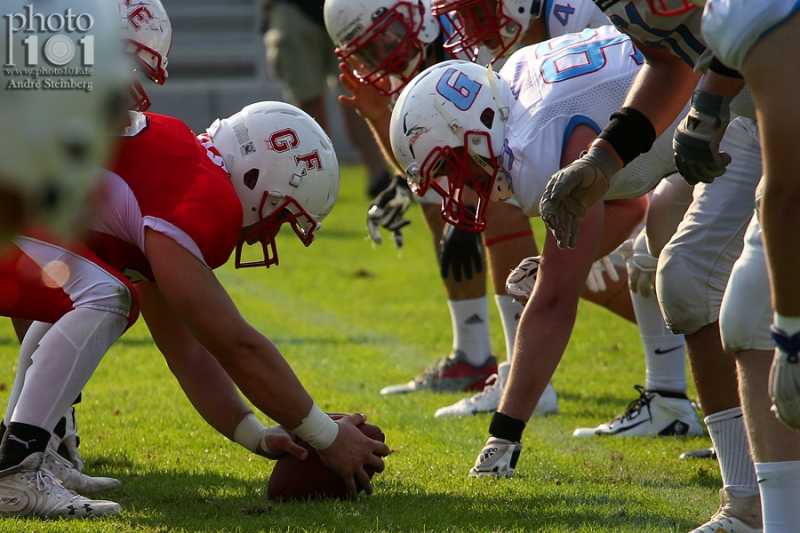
[(251, 178), (487, 117)]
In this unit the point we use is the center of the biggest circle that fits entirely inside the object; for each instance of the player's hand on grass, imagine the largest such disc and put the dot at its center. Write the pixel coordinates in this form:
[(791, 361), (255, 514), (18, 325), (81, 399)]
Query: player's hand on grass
[(387, 211), (351, 452), (696, 139), (276, 441), (367, 101), (460, 251), (573, 190)]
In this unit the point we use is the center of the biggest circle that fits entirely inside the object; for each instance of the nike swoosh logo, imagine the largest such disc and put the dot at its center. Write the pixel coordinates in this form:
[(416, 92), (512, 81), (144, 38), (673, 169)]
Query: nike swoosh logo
[(659, 351)]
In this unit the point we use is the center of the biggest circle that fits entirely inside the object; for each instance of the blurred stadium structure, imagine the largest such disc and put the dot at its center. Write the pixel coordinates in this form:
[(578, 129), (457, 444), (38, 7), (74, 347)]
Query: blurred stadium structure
[(217, 65)]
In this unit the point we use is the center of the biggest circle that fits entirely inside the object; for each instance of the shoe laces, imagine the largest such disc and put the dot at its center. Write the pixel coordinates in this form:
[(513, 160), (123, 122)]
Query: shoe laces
[(46, 479), (637, 405)]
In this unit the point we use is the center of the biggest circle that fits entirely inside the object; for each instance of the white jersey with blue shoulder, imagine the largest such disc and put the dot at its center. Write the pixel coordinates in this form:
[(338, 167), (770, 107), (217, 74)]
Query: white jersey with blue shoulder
[(577, 79)]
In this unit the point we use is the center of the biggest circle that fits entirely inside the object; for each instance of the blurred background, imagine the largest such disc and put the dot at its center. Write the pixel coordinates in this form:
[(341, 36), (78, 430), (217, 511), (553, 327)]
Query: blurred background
[(217, 65)]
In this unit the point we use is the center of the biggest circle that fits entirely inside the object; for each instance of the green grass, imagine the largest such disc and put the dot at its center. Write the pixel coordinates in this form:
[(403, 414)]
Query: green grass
[(352, 317)]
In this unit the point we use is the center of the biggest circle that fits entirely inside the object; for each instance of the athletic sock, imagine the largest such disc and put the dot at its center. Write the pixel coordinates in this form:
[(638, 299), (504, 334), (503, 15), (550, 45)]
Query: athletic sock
[(779, 484), (510, 311), (664, 352), (727, 432), (20, 441), (470, 320)]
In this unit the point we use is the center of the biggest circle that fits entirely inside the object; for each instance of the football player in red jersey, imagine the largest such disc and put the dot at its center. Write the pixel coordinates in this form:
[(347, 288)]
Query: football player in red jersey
[(175, 207)]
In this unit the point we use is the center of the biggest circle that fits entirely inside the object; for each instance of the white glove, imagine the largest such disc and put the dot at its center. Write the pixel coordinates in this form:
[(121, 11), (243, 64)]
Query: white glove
[(784, 378), (519, 284), (596, 282), (642, 268)]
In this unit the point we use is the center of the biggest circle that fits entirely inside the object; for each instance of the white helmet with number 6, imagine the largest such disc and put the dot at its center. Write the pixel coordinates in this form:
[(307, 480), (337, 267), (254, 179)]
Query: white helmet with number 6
[(284, 169), (453, 115), (381, 38), (58, 126), (148, 38)]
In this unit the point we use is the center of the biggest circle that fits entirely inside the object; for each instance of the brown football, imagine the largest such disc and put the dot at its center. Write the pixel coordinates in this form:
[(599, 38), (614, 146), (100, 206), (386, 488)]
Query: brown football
[(293, 479)]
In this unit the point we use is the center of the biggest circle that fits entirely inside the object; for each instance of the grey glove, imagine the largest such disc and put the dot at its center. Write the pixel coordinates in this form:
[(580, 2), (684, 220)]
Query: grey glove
[(461, 251), (696, 139), (573, 190), (387, 210)]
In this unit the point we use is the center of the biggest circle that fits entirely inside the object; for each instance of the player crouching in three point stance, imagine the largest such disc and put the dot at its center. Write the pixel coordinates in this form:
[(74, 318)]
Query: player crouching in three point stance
[(503, 136)]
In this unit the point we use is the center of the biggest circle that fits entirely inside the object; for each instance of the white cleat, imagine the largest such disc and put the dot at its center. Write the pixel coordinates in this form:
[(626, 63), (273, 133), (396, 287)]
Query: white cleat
[(69, 476), (30, 489), (735, 515), (654, 413), (498, 458), (488, 399)]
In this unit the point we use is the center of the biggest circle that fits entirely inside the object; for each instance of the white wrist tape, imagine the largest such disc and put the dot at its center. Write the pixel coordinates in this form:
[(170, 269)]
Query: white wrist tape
[(317, 429), (250, 432)]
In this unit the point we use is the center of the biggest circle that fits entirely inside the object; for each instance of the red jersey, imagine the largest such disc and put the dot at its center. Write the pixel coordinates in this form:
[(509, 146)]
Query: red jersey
[(165, 179)]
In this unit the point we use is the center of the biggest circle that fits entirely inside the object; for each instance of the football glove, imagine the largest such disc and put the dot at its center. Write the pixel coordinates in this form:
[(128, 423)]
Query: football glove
[(696, 139), (642, 268), (461, 251), (784, 377), (519, 284), (387, 211), (596, 281), (573, 190)]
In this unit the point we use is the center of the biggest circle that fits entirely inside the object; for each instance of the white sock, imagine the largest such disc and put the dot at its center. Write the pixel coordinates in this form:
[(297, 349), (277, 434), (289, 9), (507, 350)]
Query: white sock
[(510, 311), (664, 352), (470, 320), (779, 484), (789, 324), (726, 429)]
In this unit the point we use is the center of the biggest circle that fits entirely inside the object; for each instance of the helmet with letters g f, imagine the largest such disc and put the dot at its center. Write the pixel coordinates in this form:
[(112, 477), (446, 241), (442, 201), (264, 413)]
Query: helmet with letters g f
[(284, 170)]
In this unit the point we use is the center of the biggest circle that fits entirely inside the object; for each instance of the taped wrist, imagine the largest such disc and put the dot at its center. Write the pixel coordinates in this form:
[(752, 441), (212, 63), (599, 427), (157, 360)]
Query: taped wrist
[(506, 427), (317, 429), (713, 104), (248, 432), (630, 133)]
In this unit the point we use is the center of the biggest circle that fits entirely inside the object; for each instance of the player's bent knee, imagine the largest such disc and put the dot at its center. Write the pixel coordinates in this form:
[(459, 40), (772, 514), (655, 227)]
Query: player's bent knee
[(682, 295)]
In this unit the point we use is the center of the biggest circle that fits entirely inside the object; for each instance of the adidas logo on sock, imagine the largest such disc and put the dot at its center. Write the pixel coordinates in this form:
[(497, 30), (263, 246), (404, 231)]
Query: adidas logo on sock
[(474, 319)]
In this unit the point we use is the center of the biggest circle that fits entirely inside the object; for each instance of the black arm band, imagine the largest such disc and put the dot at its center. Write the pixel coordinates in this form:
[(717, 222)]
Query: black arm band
[(630, 133), (717, 67), (506, 427)]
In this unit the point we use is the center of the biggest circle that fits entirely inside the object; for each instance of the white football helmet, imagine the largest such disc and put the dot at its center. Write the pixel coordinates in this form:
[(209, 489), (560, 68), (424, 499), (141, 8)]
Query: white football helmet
[(450, 116), (60, 127), (148, 38), (496, 24), (283, 168), (381, 38)]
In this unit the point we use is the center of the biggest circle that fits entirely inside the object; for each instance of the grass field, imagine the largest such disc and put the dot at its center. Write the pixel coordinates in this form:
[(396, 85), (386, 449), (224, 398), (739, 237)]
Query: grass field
[(352, 317)]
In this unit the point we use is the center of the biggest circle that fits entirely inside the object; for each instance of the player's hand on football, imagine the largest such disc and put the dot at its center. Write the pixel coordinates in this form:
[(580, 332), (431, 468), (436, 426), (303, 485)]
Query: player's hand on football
[(696, 139), (351, 452), (365, 99), (387, 211), (573, 190), (460, 251), (276, 441)]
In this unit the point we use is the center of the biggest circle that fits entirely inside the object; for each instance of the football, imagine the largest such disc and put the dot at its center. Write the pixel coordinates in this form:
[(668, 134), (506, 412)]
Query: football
[(293, 479)]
